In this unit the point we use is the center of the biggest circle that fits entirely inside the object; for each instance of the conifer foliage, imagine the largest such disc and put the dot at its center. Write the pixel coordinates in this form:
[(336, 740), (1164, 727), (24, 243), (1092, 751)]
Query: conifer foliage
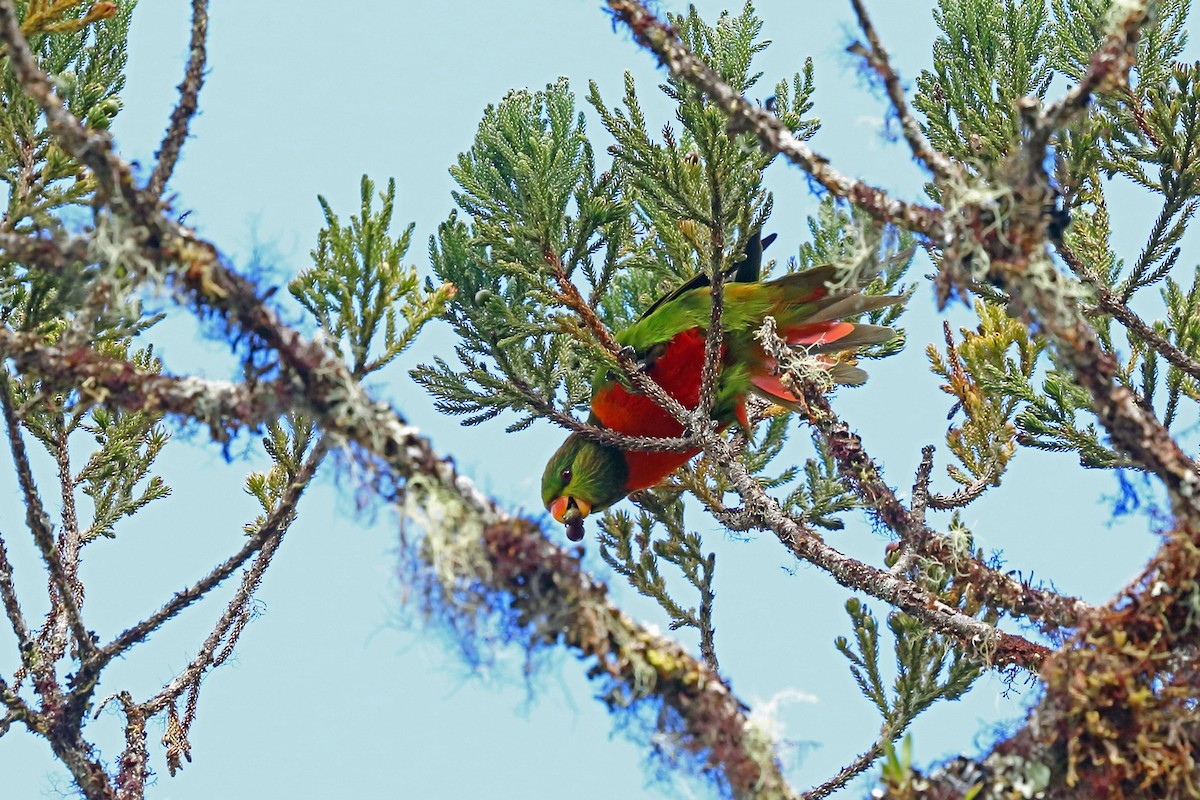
[(1031, 116)]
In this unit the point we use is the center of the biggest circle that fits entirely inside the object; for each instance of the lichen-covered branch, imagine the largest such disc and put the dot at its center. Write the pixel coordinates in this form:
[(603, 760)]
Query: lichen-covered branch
[(992, 645), (223, 406), (552, 599), (638, 665)]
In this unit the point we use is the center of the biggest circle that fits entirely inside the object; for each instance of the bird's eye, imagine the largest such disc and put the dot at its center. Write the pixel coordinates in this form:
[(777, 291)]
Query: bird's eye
[(565, 476)]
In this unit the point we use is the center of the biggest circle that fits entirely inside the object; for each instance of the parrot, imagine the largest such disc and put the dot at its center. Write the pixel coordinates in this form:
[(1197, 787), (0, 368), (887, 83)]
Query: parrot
[(668, 340)]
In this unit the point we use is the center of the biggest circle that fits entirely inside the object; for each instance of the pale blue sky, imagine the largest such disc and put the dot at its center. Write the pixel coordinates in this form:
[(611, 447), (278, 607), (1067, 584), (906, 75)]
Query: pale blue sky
[(331, 695)]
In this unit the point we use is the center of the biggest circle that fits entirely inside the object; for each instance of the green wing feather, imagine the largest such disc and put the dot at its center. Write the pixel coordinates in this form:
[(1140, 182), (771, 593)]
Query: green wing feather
[(793, 300)]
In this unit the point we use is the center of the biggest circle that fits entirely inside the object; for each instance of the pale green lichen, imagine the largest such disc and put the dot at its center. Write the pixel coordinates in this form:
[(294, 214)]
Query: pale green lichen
[(451, 542), (792, 361)]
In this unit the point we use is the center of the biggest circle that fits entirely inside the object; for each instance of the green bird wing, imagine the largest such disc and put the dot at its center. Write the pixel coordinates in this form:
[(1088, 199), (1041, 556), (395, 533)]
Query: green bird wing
[(744, 271), (792, 299)]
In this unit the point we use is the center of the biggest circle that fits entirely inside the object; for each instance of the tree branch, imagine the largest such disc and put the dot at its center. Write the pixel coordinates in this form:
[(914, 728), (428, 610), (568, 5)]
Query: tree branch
[(223, 406), (935, 161), (185, 109), (1042, 296), (62, 596), (844, 775), (714, 339), (967, 494), (1052, 609), (69, 543), (978, 638), (642, 664), (663, 41), (1109, 303), (12, 608), (270, 532), (131, 777)]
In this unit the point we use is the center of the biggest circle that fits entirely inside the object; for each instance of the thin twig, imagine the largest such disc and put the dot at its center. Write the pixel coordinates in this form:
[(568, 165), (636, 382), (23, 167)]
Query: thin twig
[(623, 441), (39, 525), (965, 495), (233, 612), (185, 109), (1112, 305), (714, 339), (1139, 117), (708, 647), (1109, 67), (846, 773), (272, 529), (12, 608), (920, 493), (234, 617), (920, 500), (877, 57), (570, 297), (16, 709)]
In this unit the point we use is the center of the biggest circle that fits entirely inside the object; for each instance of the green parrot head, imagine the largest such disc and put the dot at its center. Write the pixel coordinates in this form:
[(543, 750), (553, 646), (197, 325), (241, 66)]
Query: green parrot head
[(583, 476)]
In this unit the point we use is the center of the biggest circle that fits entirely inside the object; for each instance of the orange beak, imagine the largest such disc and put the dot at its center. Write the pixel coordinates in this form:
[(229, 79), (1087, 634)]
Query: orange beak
[(565, 509)]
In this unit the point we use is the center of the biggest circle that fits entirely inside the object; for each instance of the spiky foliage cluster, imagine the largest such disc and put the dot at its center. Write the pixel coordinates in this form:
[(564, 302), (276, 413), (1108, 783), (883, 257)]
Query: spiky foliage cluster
[(46, 187), (928, 668), (1000, 351), (83, 49), (629, 547), (1143, 134), (990, 55), (358, 290), (536, 207)]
